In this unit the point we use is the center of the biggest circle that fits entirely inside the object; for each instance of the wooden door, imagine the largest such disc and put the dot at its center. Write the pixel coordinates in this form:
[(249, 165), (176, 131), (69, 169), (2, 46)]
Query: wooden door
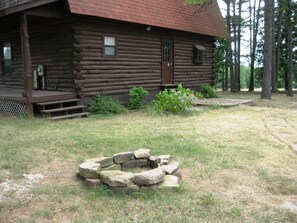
[(167, 61)]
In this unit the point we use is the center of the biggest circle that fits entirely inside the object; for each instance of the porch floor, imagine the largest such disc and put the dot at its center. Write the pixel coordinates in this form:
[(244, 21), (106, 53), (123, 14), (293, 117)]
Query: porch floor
[(15, 94)]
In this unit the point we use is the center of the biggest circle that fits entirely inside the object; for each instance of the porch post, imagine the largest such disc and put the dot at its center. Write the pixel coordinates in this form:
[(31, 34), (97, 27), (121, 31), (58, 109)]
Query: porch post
[(26, 63)]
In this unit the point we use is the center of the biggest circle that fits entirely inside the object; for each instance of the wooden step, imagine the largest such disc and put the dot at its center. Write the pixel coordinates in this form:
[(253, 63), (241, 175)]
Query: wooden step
[(58, 102), (63, 109), (82, 114)]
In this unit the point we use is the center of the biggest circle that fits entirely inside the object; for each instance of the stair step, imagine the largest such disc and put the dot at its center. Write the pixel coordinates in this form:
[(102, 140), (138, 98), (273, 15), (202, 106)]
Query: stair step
[(82, 114), (63, 109), (58, 102)]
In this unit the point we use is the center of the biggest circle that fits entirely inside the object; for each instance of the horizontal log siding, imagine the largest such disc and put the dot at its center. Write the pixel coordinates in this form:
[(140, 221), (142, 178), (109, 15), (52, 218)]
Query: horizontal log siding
[(185, 71), (138, 60), (139, 57), (52, 46)]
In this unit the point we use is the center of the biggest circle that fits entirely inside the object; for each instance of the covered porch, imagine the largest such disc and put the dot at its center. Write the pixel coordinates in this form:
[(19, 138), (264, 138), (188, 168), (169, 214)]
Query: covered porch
[(12, 101), (36, 34)]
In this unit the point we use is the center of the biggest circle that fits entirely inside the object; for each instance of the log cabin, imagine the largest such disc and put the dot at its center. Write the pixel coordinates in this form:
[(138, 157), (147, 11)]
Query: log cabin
[(55, 53)]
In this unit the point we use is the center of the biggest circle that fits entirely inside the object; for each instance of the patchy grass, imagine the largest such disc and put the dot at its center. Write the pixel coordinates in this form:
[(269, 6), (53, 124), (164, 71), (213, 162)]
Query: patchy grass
[(238, 164)]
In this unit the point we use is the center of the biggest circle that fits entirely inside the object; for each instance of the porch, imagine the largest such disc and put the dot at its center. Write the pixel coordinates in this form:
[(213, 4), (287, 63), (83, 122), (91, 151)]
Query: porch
[(12, 101)]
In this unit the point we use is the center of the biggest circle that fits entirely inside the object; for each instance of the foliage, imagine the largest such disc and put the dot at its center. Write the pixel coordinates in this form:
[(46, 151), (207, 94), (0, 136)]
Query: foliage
[(208, 91), (136, 97), (175, 101), (103, 104)]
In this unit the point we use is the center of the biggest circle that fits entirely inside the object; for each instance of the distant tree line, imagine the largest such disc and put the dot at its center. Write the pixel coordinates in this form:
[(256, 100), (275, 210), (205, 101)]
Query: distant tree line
[(272, 44)]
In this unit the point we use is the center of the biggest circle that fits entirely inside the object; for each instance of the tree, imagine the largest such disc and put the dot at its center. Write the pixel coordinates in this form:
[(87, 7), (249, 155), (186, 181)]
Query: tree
[(268, 20), (255, 29), (290, 49), (279, 23)]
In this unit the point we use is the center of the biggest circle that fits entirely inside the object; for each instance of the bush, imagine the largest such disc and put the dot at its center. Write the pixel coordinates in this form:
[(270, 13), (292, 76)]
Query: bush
[(174, 101), (103, 104), (136, 97), (208, 92)]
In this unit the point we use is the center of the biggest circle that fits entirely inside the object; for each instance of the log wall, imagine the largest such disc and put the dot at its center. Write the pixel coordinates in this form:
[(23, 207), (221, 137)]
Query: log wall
[(72, 54), (185, 72), (138, 60), (51, 43)]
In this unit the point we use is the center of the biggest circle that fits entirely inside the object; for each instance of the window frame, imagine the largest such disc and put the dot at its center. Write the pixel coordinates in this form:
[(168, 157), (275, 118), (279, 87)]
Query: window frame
[(114, 46), (199, 54), (3, 60)]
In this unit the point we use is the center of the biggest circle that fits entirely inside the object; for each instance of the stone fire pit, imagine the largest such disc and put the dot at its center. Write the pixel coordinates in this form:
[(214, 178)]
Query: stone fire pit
[(129, 172)]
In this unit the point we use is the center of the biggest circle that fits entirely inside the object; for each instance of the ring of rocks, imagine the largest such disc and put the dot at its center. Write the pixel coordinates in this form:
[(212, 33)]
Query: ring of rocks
[(162, 173)]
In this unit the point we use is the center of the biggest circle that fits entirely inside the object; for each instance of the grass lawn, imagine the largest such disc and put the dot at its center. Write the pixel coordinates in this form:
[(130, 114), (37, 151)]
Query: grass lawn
[(238, 165)]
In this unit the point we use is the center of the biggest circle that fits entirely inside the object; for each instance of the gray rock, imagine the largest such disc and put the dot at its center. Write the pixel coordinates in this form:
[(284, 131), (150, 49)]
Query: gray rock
[(130, 189), (171, 167), (142, 153), (169, 182), (149, 177), (135, 163), (154, 161), (104, 161), (116, 178), (89, 170), (123, 157), (112, 167), (78, 176), (93, 182), (177, 173), (164, 159)]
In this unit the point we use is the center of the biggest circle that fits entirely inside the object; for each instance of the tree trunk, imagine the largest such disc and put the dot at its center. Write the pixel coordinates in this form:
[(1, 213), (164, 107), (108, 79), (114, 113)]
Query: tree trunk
[(266, 84), (234, 82), (290, 49), (230, 57), (273, 68), (238, 44), (278, 38), (226, 81), (255, 33)]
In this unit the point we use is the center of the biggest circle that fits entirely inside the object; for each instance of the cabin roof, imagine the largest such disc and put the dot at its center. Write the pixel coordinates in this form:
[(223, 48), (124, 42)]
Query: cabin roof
[(172, 14)]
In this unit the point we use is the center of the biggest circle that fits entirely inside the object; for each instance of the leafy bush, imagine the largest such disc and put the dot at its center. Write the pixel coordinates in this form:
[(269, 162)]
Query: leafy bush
[(174, 101), (198, 95), (208, 92), (103, 104), (136, 97)]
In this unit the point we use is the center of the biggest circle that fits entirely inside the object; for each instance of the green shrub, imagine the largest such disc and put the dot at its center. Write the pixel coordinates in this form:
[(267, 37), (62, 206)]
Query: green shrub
[(198, 95), (103, 104), (208, 92), (174, 101), (136, 97)]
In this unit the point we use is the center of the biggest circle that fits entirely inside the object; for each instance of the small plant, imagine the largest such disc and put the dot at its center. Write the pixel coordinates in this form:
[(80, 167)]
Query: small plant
[(208, 92), (198, 95), (174, 101), (136, 97), (103, 104)]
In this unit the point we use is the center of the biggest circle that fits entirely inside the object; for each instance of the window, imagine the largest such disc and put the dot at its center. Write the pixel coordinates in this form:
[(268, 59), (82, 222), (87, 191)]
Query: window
[(110, 46), (199, 54), (6, 58)]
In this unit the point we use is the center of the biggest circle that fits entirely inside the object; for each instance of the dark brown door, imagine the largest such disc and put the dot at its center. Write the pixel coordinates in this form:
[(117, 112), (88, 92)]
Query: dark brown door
[(167, 61)]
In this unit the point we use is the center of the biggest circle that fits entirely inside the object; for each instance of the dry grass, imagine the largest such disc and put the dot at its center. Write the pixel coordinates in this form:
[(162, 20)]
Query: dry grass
[(238, 165)]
